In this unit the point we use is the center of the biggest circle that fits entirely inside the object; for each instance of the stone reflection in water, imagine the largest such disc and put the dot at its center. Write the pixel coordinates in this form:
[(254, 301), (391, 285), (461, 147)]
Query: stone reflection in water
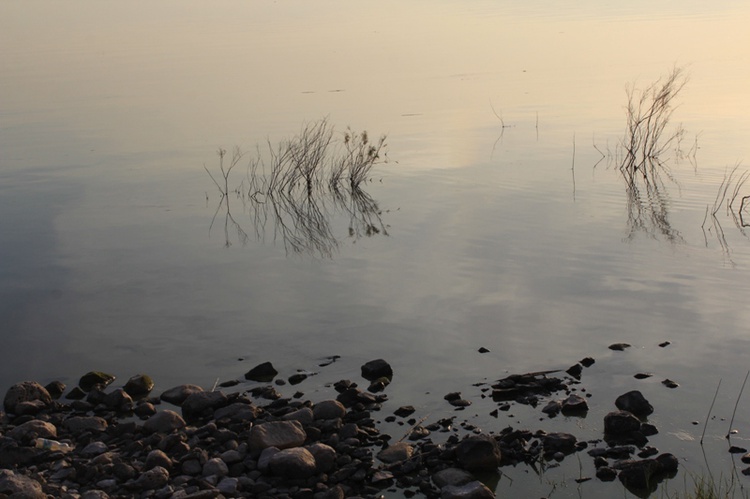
[(301, 188)]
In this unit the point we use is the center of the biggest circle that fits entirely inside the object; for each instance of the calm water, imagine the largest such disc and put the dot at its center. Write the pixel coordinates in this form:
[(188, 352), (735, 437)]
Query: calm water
[(506, 227)]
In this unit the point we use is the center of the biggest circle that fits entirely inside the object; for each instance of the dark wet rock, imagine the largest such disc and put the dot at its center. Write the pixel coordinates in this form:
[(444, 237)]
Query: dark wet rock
[(158, 458), (471, 490), (648, 451), (15, 485), (574, 404), (526, 388), (76, 393), (404, 411), (296, 462), (216, 467), (552, 408), (665, 344), (606, 474), (669, 383), (478, 452), (460, 402), (575, 371), (119, 400), (419, 432), (648, 429), (587, 362), (620, 422), (303, 415), (452, 476), (279, 434), (297, 378), (668, 462), (30, 430), (202, 405), (642, 375), (400, 451), (619, 347), (559, 442), (746, 458), (379, 385), (329, 409), (55, 389), (26, 391), (375, 369), (178, 394), (144, 410), (30, 408), (638, 475), (165, 421), (95, 378), (263, 373), (237, 411), (325, 457), (452, 396), (139, 385), (635, 403), (78, 424), (353, 396), (483, 350)]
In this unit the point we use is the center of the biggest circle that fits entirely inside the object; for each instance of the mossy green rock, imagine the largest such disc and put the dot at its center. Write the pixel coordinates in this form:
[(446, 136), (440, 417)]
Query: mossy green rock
[(139, 385), (93, 378)]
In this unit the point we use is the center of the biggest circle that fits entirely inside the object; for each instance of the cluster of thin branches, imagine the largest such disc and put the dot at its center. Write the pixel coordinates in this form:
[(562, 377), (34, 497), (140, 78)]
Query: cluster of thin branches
[(648, 136), (300, 183), (736, 206)]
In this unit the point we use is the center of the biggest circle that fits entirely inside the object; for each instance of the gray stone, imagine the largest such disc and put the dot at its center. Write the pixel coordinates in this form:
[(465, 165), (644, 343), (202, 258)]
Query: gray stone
[(178, 394), (158, 458), (119, 400), (574, 404), (452, 476), (325, 456), (78, 424), (26, 391), (33, 429), (215, 466), (296, 462), (471, 490), (228, 486), (165, 421), (635, 403), (478, 452), (139, 385), (15, 485), (329, 409), (265, 458), (231, 456), (202, 405), (155, 478), (400, 451), (304, 416), (279, 434), (620, 422), (94, 449)]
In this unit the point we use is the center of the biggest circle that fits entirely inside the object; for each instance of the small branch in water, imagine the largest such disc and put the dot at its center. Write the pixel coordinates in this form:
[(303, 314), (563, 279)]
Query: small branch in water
[(739, 396)]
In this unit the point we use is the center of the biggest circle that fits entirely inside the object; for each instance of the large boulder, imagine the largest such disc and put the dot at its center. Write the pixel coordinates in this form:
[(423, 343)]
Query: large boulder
[(33, 429), (26, 391), (329, 409), (15, 485), (635, 403), (165, 421), (297, 462), (279, 434)]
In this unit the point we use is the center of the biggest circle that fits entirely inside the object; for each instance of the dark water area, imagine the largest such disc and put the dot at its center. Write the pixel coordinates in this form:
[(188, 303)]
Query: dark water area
[(503, 219)]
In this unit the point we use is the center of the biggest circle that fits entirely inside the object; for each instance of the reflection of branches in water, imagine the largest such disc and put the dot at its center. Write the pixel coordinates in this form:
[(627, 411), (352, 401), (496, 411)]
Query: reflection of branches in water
[(648, 207), (229, 223), (291, 185), (729, 190)]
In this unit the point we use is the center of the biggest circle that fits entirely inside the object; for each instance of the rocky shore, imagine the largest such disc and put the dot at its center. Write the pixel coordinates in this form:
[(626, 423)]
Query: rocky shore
[(93, 441)]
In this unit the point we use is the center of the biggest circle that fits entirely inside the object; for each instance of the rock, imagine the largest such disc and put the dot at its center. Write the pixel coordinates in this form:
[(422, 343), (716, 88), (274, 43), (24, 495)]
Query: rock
[(668, 462), (400, 451), (379, 385), (619, 347), (483, 350), (471, 490), (94, 378), (637, 475), (746, 458), (30, 408), (452, 476), (635, 403), (575, 371), (155, 478), (669, 383), (30, 430), (215, 466), (55, 389), (325, 457), (228, 486), (404, 411), (620, 422), (139, 385), (304, 416), (178, 394), (606, 474), (353, 396), (99, 494), (587, 362), (574, 404), (265, 458), (201, 405), (642, 375), (76, 393), (15, 485), (79, 424), (264, 372), (238, 411), (279, 434), (552, 408), (158, 458), (478, 452), (144, 410), (375, 369), (559, 442), (296, 462), (297, 378), (164, 422), (26, 391), (119, 400), (94, 449), (665, 344)]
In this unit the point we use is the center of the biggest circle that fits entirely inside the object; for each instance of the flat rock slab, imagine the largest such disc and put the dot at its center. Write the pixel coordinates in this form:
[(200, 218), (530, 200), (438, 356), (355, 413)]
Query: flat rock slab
[(279, 434)]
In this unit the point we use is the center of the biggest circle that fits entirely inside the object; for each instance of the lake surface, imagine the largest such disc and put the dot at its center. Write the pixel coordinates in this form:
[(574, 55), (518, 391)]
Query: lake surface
[(509, 225)]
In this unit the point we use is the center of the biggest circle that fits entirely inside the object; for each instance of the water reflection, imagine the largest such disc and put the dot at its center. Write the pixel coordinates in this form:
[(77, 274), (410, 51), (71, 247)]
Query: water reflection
[(302, 188)]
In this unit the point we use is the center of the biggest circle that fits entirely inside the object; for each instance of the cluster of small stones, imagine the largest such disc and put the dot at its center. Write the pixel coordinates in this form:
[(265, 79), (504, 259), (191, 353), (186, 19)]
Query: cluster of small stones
[(259, 444)]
